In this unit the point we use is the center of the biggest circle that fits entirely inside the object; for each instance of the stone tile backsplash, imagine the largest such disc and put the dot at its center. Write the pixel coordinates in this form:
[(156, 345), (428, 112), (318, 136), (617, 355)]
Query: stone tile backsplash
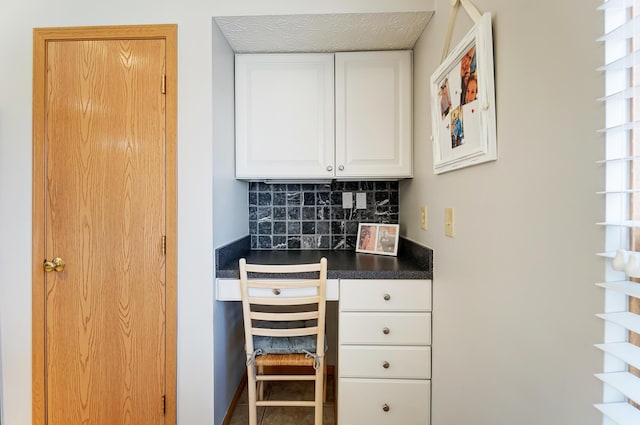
[(310, 216)]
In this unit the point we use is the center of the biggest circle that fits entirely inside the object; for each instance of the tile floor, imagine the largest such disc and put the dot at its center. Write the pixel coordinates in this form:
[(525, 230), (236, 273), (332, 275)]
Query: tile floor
[(286, 415)]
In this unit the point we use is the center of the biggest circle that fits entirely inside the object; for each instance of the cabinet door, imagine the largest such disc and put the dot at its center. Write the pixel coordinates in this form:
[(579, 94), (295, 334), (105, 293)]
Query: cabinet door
[(284, 116), (374, 114)]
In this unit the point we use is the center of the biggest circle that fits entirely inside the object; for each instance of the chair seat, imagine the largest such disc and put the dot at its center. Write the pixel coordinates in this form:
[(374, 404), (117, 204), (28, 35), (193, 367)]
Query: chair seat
[(284, 360)]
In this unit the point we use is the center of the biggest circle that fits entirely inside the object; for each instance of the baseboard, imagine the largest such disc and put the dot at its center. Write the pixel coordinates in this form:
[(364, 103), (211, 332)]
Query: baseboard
[(234, 400)]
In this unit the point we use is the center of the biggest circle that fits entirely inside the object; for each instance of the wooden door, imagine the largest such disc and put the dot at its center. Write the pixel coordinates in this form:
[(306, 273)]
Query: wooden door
[(104, 204)]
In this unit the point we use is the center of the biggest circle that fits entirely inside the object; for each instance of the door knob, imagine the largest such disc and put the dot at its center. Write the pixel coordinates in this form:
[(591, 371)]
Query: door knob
[(55, 265)]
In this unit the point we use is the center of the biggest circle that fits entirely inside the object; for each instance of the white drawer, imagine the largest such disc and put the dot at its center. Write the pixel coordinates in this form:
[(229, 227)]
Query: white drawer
[(385, 328), (362, 401), (385, 295), (365, 361)]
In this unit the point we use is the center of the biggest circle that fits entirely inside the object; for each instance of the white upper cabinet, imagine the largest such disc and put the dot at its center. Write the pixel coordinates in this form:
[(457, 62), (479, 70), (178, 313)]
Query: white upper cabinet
[(374, 109), (284, 116), (289, 126)]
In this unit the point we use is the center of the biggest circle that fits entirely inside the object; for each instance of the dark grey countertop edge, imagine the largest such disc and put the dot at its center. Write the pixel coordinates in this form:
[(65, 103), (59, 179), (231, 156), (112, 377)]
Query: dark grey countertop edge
[(414, 261)]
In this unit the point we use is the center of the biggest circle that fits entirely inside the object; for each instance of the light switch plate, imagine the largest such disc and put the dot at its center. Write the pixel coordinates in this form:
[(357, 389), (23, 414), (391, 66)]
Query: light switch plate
[(361, 201), (449, 229), (423, 217), (347, 200)]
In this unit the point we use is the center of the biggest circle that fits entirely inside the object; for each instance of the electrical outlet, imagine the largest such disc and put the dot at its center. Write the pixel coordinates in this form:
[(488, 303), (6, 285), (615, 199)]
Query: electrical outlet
[(423, 217), (449, 229)]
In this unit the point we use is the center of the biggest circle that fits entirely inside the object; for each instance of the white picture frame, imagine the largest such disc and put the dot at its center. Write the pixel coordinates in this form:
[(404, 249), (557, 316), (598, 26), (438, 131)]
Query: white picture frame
[(464, 122), (378, 238)]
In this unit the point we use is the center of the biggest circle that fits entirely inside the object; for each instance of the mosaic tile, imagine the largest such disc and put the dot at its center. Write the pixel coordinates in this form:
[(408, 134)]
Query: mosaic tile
[(308, 227), (310, 216), (279, 227), (309, 242), (279, 242), (293, 243), (279, 198)]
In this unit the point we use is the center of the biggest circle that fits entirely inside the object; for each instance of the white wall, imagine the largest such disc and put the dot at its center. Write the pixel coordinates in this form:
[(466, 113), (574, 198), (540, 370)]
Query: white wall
[(230, 221), (514, 295), (202, 177)]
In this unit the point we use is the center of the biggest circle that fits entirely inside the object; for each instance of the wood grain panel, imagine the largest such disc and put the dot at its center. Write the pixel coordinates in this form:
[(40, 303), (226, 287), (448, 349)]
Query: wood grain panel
[(105, 217), (104, 148)]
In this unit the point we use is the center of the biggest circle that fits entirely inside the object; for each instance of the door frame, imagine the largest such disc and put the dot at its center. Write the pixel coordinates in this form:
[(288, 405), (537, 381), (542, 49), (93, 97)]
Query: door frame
[(41, 36)]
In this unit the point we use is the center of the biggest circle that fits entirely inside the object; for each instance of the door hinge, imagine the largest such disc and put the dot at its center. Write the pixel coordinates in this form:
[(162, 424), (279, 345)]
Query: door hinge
[(164, 245), (164, 84), (164, 405)]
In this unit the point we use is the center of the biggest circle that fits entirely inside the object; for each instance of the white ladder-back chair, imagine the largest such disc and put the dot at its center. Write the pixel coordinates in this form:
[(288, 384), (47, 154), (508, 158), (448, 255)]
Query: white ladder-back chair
[(284, 321)]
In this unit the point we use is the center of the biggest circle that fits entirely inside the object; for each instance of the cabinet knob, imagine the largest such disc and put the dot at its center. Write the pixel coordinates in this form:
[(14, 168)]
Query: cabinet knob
[(385, 364), (329, 168), (385, 407), (387, 297), (386, 331), (340, 167), (276, 291)]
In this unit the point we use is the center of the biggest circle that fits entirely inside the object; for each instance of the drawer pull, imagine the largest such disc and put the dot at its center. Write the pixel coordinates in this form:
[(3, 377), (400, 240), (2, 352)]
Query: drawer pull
[(276, 291), (386, 331), (387, 297), (385, 364), (385, 407)]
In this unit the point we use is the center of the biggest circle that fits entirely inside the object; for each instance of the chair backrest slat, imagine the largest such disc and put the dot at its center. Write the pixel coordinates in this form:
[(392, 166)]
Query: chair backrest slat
[(281, 283), (282, 268), (275, 300), (282, 317), (284, 332)]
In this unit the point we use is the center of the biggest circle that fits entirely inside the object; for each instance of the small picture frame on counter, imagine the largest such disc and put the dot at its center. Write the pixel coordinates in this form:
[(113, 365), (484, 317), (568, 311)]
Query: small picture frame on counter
[(374, 238)]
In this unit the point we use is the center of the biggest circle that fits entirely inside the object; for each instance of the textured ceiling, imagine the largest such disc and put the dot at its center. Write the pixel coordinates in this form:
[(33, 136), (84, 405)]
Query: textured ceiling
[(323, 33)]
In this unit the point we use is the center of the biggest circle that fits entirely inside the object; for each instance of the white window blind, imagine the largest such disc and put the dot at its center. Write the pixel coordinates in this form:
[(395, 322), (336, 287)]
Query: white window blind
[(621, 345)]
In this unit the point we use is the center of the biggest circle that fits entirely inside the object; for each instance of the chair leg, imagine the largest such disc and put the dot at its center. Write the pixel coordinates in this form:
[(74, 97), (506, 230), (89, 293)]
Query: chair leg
[(261, 384), (251, 395), (319, 393), (325, 382)]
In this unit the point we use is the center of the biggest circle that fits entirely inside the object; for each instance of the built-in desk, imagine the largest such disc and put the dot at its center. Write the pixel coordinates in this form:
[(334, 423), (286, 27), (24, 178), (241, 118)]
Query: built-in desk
[(384, 327), (413, 261)]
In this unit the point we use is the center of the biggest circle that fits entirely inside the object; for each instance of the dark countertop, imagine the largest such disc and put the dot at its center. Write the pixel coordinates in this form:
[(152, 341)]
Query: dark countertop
[(413, 261)]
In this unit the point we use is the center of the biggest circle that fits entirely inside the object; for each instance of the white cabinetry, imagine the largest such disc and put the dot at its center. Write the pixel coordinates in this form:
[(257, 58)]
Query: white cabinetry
[(289, 125), (384, 353), (284, 116), (374, 108)]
